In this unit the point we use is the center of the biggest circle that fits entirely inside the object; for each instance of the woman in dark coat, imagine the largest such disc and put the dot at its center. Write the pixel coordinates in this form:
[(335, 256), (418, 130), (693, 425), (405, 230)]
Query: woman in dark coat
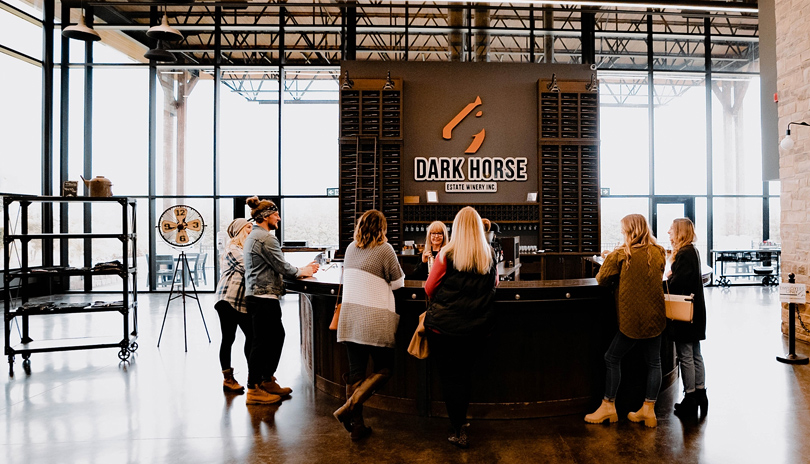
[(685, 279), (461, 289)]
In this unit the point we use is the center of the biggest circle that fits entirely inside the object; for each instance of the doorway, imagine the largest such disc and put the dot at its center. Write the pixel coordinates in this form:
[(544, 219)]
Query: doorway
[(665, 209)]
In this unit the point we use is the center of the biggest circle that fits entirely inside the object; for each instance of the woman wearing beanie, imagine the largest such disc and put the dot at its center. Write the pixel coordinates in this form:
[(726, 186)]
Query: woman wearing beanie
[(265, 269), (230, 304)]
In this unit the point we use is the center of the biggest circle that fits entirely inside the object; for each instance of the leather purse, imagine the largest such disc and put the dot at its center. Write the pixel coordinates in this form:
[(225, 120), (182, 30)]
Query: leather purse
[(418, 347), (679, 307), (336, 315)]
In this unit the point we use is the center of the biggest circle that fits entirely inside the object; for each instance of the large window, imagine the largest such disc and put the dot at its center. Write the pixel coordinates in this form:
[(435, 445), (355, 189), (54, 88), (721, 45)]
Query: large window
[(680, 134), (184, 141), (20, 126), (736, 147), (249, 136), (120, 133), (624, 131), (309, 157)]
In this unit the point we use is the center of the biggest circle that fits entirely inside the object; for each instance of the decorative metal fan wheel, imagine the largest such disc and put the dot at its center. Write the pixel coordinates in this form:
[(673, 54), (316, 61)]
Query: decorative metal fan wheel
[(181, 226)]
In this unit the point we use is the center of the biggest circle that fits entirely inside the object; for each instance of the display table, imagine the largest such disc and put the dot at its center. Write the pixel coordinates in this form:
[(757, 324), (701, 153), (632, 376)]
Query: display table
[(545, 357), (762, 264)]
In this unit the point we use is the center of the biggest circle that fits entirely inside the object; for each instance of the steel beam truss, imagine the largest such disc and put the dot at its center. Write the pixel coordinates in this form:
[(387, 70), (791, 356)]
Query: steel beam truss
[(294, 35)]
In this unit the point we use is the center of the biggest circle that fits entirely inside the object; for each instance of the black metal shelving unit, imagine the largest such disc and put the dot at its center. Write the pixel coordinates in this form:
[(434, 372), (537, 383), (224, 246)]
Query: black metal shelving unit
[(127, 306)]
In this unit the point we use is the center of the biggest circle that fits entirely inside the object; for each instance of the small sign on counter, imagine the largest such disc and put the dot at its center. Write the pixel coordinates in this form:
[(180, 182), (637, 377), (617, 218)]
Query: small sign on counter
[(792, 293)]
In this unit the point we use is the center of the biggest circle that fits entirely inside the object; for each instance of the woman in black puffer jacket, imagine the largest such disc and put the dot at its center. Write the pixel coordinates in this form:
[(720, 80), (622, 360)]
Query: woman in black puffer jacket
[(461, 289)]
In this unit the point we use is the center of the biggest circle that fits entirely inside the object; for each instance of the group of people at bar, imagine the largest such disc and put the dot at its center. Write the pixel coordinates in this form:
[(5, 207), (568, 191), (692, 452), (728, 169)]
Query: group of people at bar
[(461, 279)]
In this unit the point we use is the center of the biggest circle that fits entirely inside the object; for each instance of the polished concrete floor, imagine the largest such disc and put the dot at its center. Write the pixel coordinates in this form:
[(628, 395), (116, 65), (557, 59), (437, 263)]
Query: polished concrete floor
[(166, 405)]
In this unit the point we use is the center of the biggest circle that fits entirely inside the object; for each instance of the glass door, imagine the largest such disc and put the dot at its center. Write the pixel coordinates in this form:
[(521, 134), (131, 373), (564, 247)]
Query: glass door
[(665, 210)]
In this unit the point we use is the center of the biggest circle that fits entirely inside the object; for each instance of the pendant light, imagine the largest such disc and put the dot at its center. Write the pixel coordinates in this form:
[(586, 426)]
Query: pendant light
[(81, 31), (160, 53), (164, 32)]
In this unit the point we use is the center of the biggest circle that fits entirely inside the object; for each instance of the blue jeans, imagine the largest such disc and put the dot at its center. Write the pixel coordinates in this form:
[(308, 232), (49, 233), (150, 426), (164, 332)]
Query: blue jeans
[(693, 373), (619, 347)]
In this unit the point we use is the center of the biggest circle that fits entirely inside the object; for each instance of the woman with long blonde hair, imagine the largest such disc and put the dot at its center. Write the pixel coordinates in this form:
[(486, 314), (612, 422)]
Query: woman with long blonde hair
[(461, 292), (638, 266), (685, 278)]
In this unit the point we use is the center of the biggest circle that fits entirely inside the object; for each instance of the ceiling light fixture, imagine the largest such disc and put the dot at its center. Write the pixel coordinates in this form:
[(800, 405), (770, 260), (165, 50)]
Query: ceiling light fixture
[(164, 32), (81, 31), (160, 53)]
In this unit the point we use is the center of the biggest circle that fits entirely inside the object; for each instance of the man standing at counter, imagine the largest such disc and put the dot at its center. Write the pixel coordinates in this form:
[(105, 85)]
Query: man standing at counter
[(265, 268)]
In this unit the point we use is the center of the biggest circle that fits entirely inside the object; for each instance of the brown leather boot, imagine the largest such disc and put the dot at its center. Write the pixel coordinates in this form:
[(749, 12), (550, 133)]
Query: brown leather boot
[(363, 392), (606, 411), (359, 429), (646, 414), (230, 384), (258, 396), (273, 387), (342, 414)]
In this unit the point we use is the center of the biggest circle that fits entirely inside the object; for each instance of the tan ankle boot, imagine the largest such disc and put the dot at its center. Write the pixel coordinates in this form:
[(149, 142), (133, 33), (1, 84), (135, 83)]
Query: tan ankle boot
[(230, 384), (274, 388), (646, 414), (607, 410), (258, 396)]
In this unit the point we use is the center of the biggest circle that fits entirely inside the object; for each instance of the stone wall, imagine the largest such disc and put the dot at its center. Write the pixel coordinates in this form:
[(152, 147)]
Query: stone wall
[(793, 84)]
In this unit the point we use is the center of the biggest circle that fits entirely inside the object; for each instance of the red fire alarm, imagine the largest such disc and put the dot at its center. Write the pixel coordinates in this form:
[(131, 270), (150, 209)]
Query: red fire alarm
[(776, 98)]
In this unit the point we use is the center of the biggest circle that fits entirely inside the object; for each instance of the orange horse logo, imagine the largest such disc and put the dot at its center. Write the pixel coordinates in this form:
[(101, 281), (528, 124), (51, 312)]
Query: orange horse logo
[(478, 139)]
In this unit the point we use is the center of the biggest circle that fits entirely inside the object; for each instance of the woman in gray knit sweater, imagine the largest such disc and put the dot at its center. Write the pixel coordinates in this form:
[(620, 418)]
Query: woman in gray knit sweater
[(368, 318)]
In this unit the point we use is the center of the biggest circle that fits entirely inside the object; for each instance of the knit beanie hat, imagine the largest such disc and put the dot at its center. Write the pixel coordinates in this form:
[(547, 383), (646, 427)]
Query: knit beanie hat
[(236, 226), (260, 209)]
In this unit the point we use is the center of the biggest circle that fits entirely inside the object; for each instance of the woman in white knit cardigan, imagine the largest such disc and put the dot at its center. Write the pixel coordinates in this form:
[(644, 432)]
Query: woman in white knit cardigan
[(368, 318)]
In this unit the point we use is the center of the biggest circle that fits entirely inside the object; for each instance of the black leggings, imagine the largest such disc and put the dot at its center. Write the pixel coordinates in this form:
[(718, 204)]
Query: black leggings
[(455, 358), (229, 319), (358, 354)]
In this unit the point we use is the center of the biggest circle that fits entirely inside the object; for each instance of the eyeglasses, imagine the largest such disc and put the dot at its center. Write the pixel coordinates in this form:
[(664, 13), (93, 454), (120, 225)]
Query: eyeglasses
[(437, 233)]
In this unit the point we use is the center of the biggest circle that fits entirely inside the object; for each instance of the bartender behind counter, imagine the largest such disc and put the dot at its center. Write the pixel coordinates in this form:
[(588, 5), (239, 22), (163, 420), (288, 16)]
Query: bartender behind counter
[(435, 239)]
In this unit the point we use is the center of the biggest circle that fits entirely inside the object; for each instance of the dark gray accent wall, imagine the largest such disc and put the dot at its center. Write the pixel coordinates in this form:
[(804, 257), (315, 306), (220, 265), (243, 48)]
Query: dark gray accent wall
[(433, 93), (767, 75)]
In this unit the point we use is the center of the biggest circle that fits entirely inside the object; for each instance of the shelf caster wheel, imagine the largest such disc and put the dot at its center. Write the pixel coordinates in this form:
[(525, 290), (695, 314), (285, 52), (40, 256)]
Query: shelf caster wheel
[(26, 365), (26, 357), (133, 346), (123, 355)]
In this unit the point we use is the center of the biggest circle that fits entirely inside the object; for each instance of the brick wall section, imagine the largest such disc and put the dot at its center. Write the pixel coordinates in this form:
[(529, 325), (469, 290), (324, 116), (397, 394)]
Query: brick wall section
[(793, 84)]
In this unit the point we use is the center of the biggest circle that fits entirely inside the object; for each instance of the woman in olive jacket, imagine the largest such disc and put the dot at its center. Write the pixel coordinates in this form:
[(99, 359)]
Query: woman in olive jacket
[(638, 265), (685, 279)]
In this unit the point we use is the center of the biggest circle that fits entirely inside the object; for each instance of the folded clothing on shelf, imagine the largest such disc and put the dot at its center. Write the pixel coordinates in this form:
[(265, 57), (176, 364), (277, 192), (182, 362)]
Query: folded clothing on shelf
[(106, 304), (114, 265)]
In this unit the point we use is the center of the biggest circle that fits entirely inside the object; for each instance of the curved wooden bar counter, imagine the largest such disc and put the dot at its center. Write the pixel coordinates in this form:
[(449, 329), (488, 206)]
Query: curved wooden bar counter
[(545, 357)]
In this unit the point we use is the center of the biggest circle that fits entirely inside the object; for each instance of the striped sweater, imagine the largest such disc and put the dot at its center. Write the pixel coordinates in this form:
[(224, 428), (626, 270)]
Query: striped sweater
[(368, 314)]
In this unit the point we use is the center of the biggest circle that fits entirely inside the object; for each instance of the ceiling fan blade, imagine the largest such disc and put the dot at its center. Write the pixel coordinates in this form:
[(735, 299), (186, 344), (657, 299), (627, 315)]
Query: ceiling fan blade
[(195, 225), (167, 226), (182, 236), (180, 213)]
